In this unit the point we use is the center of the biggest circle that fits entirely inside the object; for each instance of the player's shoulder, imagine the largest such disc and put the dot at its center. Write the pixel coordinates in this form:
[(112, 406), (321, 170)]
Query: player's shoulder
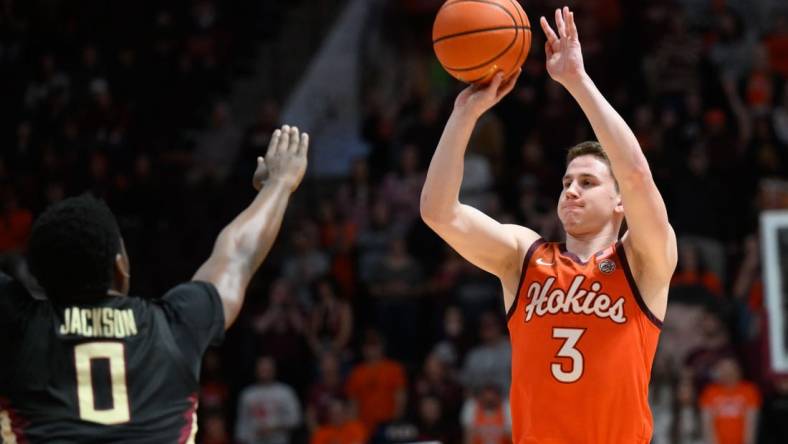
[(15, 299), (526, 237), (189, 295)]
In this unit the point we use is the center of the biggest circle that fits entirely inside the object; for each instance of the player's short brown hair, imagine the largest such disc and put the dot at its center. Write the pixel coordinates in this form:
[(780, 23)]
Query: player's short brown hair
[(590, 148)]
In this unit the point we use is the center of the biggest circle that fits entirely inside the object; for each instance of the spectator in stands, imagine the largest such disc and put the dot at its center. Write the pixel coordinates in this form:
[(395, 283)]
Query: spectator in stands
[(715, 346), (486, 418), (476, 292), (307, 263), (214, 392), (214, 429), (687, 426), (776, 42), (436, 380), (401, 429), (377, 385), (268, 411), (454, 340), (280, 331), (340, 428), (491, 361), (330, 321), (375, 239), (328, 387), (395, 285), (401, 188), (694, 277), (15, 224), (433, 423), (730, 406)]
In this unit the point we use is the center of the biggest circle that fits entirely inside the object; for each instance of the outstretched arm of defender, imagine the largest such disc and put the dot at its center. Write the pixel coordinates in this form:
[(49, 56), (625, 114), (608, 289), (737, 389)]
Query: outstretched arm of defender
[(244, 243), (483, 241), (651, 235)]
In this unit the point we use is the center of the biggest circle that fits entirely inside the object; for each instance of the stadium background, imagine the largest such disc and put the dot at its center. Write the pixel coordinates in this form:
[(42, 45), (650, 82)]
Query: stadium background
[(161, 108)]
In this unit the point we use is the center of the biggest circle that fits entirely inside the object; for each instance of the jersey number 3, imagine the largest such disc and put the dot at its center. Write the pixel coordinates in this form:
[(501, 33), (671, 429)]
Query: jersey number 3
[(570, 336), (115, 353)]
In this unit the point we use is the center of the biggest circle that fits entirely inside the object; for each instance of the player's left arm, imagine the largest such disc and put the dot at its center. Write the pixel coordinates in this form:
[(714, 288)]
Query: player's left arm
[(245, 242), (651, 237)]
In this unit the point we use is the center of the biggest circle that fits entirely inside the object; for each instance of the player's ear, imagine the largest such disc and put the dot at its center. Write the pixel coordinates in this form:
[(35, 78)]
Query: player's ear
[(122, 270), (619, 206)]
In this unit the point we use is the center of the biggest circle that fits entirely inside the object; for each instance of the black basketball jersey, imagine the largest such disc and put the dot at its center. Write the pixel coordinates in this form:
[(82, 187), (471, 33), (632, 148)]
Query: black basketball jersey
[(121, 369)]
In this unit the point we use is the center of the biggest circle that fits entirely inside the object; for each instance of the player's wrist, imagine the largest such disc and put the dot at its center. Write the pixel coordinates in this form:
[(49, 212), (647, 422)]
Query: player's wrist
[(466, 114), (285, 183), (577, 81)]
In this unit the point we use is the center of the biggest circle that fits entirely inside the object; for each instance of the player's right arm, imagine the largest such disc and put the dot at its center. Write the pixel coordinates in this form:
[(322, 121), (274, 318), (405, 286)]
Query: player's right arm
[(244, 243), (488, 244)]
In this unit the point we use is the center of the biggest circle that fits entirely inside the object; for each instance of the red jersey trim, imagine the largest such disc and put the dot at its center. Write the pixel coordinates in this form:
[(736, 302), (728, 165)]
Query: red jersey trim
[(187, 431), (18, 424), (633, 286), (526, 261)]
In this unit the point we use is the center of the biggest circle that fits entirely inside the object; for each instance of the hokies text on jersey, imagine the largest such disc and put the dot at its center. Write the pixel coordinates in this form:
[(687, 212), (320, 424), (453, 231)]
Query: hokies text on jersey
[(544, 299)]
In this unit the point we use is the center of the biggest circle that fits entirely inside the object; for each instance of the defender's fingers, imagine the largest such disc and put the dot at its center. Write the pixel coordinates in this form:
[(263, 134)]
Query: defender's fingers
[(274, 142), (284, 139), (303, 147), (295, 139)]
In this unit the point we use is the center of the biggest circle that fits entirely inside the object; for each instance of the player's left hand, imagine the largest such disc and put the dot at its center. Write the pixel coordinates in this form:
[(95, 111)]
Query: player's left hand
[(564, 56), (285, 160)]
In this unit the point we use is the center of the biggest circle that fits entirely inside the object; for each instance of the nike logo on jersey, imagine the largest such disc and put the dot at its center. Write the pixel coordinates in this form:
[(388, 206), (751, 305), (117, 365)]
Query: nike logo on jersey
[(540, 261), (543, 299)]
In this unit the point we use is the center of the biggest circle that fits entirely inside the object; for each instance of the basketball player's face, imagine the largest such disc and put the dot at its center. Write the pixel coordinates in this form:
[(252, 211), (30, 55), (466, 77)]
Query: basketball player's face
[(589, 198)]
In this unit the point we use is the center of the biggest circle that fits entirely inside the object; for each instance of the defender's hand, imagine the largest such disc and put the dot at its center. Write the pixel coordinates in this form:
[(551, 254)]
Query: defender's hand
[(477, 99), (285, 160), (564, 56)]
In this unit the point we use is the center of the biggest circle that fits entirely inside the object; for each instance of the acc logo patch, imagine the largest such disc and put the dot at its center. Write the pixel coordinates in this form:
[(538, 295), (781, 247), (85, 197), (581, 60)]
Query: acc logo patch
[(607, 266)]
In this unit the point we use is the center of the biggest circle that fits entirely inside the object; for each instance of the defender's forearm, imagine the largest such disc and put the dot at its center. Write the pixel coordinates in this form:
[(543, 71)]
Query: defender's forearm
[(253, 232)]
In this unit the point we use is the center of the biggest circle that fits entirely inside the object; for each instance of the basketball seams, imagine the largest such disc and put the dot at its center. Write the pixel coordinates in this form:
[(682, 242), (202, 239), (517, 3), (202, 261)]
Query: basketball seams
[(480, 30), (488, 2), (518, 8), (487, 62), (506, 56)]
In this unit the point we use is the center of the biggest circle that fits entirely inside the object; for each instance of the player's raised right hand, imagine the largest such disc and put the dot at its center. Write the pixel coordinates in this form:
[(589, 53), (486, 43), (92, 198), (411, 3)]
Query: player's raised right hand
[(477, 99), (285, 160)]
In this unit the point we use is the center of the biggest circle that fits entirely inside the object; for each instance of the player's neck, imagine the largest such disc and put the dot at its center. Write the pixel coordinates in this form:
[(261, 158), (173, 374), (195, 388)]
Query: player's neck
[(585, 246)]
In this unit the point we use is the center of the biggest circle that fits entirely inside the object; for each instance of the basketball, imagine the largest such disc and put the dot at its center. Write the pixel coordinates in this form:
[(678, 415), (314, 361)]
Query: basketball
[(473, 39)]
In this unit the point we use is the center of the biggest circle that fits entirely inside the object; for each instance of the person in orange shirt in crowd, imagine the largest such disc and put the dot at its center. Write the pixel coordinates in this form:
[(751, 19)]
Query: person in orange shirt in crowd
[(692, 271), (377, 385), (486, 418), (341, 428), (15, 224), (730, 406)]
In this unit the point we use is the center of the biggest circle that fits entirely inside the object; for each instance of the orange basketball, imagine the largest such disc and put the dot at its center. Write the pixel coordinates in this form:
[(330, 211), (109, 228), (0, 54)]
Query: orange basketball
[(474, 39)]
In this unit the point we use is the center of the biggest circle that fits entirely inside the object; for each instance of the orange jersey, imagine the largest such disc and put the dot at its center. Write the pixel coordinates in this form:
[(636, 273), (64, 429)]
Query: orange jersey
[(728, 407), (490, 427), (583, 341)]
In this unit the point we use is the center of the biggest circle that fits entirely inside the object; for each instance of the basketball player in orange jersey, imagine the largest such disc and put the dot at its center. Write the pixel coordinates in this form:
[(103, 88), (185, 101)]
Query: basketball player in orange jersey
[(584, 316)]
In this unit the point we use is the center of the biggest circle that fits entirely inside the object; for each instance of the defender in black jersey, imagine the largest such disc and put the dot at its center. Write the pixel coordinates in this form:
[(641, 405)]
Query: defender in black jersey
[(90, 364)]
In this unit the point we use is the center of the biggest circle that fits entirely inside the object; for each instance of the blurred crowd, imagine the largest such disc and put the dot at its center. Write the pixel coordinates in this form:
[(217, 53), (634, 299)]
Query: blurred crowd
[(362, 325)]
